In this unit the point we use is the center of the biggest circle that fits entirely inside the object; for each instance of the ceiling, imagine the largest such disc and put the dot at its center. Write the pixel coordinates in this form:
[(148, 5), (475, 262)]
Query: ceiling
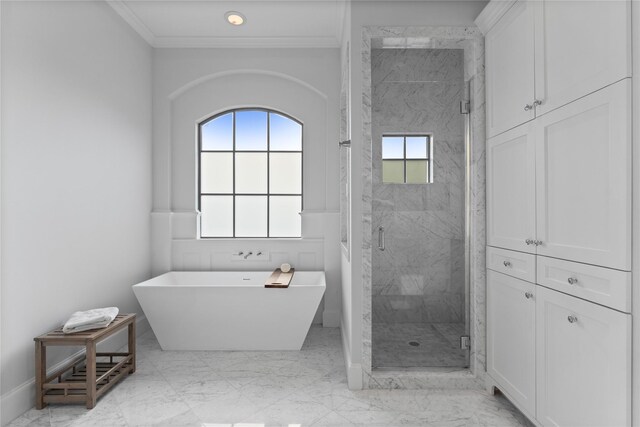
[(269, 23)]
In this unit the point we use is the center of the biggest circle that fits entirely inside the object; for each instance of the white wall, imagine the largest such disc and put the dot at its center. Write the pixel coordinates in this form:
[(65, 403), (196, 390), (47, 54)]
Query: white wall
[(353, 366), (76, 174), (635, 42), (375, 13), (193, 84)]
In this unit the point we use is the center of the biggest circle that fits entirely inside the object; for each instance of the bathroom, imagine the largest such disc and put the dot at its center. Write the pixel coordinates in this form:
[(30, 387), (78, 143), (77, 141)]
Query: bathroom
[(115, 206)]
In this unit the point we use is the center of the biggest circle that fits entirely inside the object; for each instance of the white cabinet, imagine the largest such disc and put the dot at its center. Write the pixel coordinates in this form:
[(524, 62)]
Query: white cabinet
[(559, 179), (517, 264), (583, 359), (561, 360), (583, 179), (511, 318), (580, 47), (510, 68), (511, 189), (563, 181), (605, 286), (542, 55)]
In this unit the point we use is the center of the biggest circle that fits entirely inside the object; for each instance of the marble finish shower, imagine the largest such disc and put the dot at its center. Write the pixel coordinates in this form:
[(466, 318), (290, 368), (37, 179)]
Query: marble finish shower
[(420, 306)]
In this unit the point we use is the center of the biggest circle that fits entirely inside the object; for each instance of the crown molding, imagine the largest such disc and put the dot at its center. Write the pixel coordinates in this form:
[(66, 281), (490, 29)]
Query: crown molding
[(132, 19), (492, 14)]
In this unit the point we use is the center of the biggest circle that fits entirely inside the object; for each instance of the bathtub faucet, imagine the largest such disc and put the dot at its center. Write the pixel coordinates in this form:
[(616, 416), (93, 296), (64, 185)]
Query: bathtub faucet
[(247, 255)]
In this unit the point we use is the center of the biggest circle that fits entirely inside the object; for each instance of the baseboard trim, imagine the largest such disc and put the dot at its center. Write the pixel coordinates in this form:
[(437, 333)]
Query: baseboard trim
[(20, 399), (331, 318), (354, 370)]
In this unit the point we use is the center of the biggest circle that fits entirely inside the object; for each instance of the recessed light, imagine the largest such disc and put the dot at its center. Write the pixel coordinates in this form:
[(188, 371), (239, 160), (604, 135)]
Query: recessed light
[(235, 18)]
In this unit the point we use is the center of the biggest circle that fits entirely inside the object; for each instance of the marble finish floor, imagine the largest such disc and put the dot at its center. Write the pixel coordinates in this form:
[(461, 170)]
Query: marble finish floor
[(439, 345), (263, 389)]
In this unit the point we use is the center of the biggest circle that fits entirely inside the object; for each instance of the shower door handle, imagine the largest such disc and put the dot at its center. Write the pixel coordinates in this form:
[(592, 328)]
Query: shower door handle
[(381, 238)]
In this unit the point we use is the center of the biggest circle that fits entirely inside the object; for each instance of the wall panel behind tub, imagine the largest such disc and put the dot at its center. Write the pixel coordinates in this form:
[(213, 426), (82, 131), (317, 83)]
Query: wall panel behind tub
[(193, 84)]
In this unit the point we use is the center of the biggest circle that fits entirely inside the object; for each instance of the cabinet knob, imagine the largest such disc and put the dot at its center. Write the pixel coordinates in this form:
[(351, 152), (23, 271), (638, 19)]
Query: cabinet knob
[(528, 242), (572, 280), (528, 295), (528, 107), (572, 319), (537, 242), (506, 263), (537, 102)]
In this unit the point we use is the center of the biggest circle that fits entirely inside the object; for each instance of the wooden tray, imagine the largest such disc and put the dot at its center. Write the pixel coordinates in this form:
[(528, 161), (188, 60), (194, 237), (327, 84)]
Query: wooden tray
[(278, 279)]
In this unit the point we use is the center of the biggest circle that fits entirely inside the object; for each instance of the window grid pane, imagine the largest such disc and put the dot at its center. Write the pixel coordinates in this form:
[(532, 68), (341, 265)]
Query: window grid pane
[(251, 130), (406, 159), (284, 217), (216, 217), (216, 175), (251, 212), (217, 134)]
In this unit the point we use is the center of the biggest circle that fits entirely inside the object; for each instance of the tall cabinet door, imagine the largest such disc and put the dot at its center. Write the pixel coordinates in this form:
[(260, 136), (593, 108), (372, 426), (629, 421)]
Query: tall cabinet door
[(511, 189), (510, 68), (511, 316), (568, 43), (583, 177), (583, 362)]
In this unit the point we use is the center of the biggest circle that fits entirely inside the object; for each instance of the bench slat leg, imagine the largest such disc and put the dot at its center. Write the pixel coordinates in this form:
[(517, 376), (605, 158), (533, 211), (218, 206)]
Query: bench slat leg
[(132, 345), (41, 373), (91, 374)]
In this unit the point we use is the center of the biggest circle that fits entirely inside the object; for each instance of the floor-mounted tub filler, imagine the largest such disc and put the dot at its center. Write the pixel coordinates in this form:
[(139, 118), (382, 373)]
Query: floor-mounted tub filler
[(230, 310)]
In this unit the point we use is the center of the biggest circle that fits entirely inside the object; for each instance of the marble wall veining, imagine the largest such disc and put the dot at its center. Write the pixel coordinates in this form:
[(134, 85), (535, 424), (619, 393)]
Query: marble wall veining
[(471, 40), (419, 277)]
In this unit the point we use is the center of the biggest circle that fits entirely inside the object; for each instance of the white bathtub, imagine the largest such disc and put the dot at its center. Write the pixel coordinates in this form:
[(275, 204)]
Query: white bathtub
[(230, 310)]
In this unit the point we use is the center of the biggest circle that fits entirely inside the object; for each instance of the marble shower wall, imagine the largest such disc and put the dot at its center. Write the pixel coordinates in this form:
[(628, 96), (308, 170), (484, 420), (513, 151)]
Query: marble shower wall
[(419, 277)]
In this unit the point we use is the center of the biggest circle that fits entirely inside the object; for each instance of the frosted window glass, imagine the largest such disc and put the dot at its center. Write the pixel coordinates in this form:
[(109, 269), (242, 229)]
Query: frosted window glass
[(416, 171), (251, 216), (285, 172), (416, 147), (216, 172), (392, 147), (284, 218), (217, 134), (251, 130), (216, 218), (251, 173), (284, 134), (393, 171)]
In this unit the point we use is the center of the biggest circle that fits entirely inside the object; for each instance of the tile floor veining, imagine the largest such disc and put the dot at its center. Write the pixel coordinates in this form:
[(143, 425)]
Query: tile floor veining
[(439, 345), (263, 389)]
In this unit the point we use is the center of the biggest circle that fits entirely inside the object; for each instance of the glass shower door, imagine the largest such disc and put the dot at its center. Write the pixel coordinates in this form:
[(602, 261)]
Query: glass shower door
[(419, 306)]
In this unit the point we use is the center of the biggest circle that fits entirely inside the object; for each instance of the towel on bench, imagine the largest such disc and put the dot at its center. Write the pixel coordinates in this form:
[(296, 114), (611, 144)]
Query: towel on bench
[(90, 319)]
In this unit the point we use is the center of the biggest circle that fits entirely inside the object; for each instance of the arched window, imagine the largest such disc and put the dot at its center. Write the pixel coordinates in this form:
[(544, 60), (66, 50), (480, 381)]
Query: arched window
[(250, 174)]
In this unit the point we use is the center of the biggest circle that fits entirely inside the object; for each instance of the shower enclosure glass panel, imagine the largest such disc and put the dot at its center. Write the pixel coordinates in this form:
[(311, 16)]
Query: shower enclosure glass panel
[(419, 277)]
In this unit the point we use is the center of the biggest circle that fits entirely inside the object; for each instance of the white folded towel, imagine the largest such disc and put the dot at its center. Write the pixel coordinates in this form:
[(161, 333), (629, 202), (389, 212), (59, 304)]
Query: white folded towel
[(90, 319)]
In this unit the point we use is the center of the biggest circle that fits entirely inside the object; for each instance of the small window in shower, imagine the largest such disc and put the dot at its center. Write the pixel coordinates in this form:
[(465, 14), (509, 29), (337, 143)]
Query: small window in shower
[(407, 159)]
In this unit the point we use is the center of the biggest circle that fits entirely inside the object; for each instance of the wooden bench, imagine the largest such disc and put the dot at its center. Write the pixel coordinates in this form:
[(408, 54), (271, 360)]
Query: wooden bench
[(88, 377)]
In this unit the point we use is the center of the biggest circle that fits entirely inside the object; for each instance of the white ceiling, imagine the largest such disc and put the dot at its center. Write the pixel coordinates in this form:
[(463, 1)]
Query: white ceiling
[(269, 23)]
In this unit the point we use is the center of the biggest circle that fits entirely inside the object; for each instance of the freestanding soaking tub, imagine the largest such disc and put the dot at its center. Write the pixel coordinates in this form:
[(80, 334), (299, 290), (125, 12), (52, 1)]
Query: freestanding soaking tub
[(230, 310)]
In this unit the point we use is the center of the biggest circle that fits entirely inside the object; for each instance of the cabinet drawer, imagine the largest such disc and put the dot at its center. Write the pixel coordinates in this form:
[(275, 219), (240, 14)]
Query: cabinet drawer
[(512, 263), (605, 286)]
